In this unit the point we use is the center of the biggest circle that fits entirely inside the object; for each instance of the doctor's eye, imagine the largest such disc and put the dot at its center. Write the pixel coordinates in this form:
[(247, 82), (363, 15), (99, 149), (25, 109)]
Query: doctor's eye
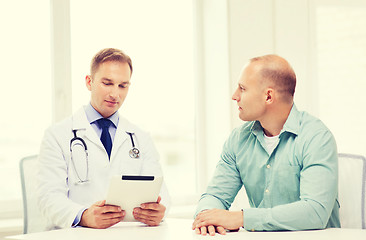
[(107, 83), (125, 85)]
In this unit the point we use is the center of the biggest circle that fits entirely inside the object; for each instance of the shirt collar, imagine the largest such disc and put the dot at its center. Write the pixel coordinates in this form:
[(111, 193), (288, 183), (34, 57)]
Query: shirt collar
[(93, 115), (292, 124)]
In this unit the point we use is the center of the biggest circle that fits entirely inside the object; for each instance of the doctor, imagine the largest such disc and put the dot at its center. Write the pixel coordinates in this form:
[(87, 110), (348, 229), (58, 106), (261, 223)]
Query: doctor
[(79, 155)]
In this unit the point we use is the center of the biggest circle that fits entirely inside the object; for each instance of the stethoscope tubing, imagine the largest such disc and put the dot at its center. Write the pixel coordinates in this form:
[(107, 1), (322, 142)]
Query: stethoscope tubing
[(133, 153), (76, 138)]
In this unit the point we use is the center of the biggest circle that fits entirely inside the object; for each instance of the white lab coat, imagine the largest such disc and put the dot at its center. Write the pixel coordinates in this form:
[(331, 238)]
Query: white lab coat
[(60, 199)]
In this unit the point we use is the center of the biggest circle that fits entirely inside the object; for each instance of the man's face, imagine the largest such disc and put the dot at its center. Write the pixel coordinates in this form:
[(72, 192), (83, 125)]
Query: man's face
[(109, 87), (250, 95)]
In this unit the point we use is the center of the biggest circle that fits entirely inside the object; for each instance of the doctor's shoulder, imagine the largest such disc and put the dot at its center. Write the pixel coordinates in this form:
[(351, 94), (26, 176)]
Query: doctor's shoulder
[(59, 130)]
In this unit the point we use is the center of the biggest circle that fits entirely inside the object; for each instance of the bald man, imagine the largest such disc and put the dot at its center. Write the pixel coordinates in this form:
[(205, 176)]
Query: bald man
[(286, 160)]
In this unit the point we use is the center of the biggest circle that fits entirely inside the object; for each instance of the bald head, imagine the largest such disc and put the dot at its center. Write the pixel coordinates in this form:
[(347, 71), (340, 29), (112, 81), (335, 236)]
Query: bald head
[(276, 72)]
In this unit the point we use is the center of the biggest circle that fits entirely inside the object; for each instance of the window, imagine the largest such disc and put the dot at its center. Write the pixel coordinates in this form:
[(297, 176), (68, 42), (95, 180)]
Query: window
[(26, 88), (161, 98)]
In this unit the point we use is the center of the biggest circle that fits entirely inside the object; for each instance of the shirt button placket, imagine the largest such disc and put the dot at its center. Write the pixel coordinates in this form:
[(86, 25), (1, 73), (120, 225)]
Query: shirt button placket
[(268, 177)]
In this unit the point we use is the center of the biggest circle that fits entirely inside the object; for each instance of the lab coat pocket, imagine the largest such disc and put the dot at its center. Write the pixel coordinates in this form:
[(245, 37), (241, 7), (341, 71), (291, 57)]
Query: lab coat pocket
[(131, 166)]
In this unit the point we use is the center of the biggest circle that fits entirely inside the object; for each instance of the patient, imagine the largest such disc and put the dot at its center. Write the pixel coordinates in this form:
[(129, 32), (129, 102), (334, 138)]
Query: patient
[(285, 158)]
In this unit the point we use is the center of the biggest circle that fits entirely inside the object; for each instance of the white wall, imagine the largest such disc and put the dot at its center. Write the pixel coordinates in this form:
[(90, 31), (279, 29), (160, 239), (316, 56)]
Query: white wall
[(235, 31), (259, 27)]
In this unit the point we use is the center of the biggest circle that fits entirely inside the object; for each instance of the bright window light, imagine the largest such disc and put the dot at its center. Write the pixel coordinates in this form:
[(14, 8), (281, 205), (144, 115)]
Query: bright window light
[(157, 35), (26, 87)]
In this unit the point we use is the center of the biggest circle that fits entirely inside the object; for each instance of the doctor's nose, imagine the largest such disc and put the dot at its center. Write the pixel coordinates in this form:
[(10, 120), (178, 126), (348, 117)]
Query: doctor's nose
[(113, 93)]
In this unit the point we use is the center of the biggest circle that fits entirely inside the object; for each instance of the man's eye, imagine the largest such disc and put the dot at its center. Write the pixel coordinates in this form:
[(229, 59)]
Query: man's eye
[(107, 83)]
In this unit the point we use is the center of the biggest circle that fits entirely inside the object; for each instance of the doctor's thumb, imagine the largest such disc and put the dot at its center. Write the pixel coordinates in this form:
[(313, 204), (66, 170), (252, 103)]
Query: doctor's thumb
[(159, 199)]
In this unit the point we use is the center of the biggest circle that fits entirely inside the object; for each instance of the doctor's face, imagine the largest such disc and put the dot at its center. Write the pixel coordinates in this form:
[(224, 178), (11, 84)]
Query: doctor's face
[(250, 95), (109, 87)]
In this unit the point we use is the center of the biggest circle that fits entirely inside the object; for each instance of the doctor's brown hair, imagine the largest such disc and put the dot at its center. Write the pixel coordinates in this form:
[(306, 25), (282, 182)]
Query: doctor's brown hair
[(109, 55)]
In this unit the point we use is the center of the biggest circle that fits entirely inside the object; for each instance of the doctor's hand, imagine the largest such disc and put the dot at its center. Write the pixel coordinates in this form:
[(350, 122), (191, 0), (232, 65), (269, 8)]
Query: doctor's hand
[(100, 215), (150, 213)]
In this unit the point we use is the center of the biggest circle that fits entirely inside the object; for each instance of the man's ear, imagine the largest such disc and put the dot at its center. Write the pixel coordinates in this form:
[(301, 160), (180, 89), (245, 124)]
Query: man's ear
[(88, 81), (269, 95)]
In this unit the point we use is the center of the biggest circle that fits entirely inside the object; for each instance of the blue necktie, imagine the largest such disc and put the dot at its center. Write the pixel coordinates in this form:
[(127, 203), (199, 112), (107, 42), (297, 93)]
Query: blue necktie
[(106, 139)]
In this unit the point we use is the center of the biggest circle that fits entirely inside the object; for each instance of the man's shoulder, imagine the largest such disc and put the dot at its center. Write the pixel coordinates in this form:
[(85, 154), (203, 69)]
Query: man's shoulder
[(245, 128), (242, 131), (311, 124), (313, 131)]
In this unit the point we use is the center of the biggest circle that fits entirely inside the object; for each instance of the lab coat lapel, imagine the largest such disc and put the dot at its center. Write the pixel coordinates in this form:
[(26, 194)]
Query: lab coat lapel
[(85, 130), (121, 135)]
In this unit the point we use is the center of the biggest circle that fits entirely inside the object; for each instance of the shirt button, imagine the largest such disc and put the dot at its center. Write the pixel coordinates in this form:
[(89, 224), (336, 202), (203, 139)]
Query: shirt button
[(267, 191), (268, 166)]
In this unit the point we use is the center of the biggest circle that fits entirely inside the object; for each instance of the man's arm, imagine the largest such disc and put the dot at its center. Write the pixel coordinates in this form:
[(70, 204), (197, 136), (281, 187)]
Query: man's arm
[(318, 191), (212, 214)]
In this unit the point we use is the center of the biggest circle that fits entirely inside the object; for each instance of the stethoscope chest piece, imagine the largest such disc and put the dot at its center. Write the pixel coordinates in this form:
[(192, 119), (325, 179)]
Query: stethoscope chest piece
[(134, 153)]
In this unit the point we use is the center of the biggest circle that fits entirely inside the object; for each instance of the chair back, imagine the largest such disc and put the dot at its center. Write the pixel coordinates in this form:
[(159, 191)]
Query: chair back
[(33, 220), (351, 190)]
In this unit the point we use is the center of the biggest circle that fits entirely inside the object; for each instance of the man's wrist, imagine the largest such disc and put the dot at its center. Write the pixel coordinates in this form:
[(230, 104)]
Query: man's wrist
[(236, 221), (239, 218), (242, 218)]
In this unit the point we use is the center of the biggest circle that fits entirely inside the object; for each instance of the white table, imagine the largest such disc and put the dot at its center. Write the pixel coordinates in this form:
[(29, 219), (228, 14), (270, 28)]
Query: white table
[(173, 229)]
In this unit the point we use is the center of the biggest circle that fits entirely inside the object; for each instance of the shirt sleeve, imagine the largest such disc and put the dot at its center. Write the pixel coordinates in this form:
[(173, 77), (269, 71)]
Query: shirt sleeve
[(78, 218), (225, 183), (318, 192)]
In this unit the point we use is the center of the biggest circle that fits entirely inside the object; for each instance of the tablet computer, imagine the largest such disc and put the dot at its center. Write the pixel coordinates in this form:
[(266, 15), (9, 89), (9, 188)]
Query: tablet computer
[(130, 191)]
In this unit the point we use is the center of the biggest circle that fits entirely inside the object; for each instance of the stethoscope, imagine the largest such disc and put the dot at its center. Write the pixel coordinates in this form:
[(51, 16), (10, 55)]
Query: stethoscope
[(133, 153)]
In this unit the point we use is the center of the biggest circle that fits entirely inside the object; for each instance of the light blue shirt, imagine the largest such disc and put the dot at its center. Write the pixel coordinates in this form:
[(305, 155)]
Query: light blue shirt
[(93, 115), (293, 188)]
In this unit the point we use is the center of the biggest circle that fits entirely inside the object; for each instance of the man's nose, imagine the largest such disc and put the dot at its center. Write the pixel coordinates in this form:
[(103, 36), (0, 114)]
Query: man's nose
[(235, 96)]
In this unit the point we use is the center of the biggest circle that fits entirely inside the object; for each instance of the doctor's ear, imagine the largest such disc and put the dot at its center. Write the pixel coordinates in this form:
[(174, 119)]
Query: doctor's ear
[(88, 81)]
